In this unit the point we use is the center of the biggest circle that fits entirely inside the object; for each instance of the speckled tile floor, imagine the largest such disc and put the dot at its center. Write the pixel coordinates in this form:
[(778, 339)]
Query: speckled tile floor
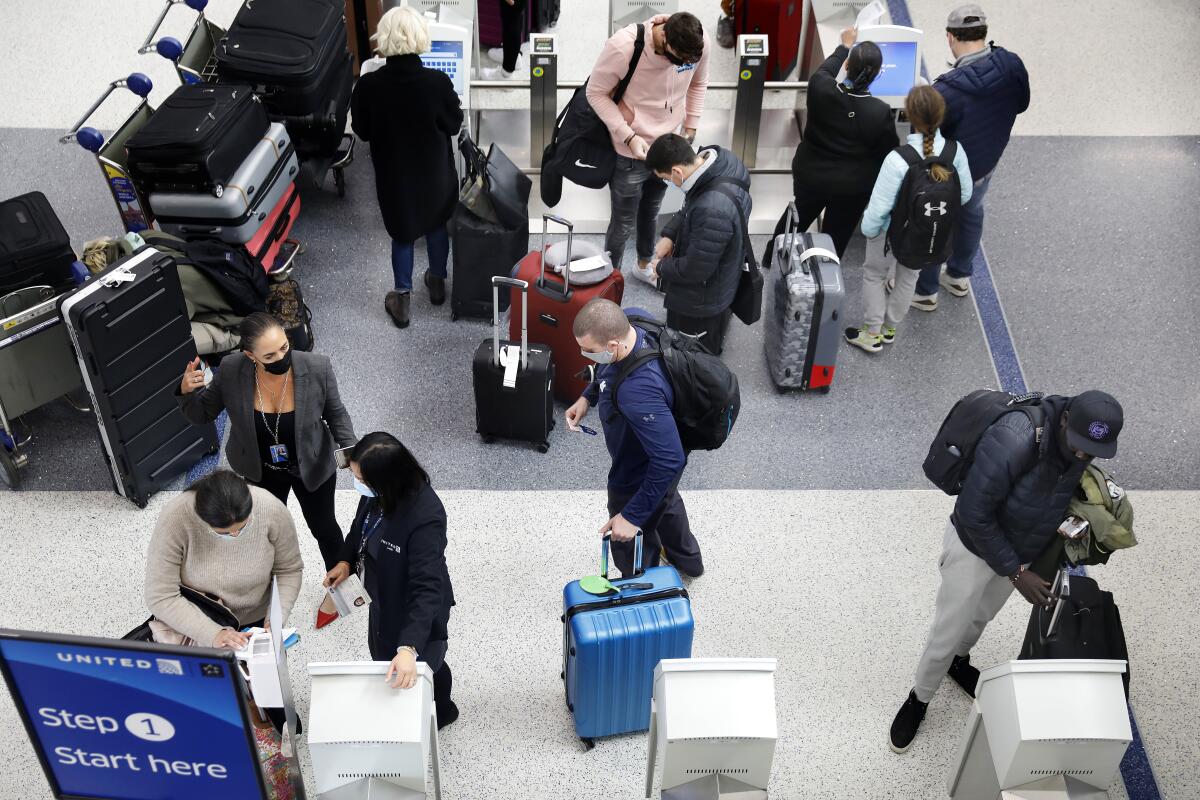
[(842, 584)]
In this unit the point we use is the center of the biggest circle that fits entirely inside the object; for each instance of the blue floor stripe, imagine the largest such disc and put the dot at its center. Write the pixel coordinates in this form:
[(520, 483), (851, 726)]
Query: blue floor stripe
[(1136, 771)]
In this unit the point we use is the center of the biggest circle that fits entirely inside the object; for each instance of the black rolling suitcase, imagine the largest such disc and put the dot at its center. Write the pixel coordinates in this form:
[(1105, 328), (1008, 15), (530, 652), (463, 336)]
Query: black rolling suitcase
[(197, 139), (524, 408), (130, 331), (35, 249), (320, 133), (291, 51), (481, 250), (1083, 622)]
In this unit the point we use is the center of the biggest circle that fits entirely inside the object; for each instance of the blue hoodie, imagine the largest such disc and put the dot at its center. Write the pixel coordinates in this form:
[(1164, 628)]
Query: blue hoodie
[(983, 98)]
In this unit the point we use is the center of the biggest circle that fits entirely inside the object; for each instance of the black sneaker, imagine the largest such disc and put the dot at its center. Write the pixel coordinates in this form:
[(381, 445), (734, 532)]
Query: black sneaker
[(962, 673), (904, 726), (436, 287)]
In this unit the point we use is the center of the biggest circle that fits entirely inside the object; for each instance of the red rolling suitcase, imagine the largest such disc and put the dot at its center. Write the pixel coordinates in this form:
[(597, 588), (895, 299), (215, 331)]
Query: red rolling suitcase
[(553, 305), (275, 229), (780, 20)]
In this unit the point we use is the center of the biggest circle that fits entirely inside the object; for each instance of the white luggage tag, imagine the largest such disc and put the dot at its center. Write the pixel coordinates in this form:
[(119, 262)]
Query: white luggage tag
[(819, 251), (118, 276), (510, 359)]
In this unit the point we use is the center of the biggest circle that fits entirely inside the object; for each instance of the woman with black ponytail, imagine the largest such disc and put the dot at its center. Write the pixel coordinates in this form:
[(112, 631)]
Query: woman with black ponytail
[(847, 136)]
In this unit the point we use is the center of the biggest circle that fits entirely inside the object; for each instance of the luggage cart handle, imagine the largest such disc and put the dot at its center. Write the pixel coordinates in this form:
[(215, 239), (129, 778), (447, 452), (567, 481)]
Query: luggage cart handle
[(570, 226), (638, 544), (90, 138), (497, 282), (196, 5)]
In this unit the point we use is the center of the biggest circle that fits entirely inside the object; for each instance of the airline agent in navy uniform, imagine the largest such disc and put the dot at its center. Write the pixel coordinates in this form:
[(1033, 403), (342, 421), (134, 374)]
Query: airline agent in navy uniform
[(397, 545)]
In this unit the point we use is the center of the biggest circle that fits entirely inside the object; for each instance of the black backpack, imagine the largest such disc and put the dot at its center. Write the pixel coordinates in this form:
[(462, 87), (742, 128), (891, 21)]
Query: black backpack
[(581, 150), (953, 449), (707, 399), (239, 276), (926, 213)]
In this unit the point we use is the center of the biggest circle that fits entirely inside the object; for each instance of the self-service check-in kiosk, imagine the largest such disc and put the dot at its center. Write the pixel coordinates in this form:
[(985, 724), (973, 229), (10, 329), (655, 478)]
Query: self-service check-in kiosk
[(901, 48), (752, 52), (543, 93)]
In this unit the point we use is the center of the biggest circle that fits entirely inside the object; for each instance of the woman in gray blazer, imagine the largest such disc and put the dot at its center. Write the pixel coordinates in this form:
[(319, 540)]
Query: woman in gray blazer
[(285, 415)]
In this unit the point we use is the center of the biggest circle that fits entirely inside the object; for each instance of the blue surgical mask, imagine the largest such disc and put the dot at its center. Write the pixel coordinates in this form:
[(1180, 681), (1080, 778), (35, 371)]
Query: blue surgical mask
[(363, 489), (233, 537), (603, 357)]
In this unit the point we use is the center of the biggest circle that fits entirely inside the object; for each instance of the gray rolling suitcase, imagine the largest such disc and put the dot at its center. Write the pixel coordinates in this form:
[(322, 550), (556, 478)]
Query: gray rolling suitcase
[(802, 336), (247, 200)]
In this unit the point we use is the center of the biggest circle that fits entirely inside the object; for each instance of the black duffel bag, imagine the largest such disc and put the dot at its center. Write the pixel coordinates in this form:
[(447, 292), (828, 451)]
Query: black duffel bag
[(581, 150), (494, 188)]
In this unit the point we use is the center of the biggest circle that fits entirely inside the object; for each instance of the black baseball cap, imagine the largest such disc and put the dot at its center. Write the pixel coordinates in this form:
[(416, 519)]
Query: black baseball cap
[(1094, 421)]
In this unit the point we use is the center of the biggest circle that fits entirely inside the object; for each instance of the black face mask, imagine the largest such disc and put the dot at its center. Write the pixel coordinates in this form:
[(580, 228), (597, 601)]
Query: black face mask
[(281, 366)]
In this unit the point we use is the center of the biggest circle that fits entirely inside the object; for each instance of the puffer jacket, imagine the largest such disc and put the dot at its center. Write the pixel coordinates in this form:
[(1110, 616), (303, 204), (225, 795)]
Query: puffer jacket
[(700, 277), (1017, 490), (983, 99)]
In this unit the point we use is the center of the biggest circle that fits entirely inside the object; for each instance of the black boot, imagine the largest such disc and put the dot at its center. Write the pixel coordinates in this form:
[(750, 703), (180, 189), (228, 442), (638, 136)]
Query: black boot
[(962, 673), (397, 304), (437, 288)]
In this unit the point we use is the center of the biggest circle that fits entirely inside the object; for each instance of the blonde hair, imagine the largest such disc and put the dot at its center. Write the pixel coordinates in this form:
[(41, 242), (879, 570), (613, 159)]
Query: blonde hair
[(926, 108), (402, 31)]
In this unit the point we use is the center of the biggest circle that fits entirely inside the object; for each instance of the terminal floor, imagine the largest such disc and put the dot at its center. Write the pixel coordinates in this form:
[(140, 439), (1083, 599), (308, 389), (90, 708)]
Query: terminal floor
[(838, 585)]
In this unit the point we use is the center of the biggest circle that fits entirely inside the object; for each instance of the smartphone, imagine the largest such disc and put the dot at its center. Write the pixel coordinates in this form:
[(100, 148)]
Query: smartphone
[(342, 457), (1073, 527)]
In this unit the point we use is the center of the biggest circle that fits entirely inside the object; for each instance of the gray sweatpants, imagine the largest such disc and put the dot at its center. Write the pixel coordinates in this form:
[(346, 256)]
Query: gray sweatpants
[(879, 307), (971, 594)]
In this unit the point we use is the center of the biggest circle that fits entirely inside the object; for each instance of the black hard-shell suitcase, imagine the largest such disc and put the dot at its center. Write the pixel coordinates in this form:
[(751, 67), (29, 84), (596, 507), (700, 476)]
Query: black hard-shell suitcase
[(197, 139), (481, 251), (524, 410), (319, 134), (286, 49), (35, 249), (130, 331), (1083, 622)]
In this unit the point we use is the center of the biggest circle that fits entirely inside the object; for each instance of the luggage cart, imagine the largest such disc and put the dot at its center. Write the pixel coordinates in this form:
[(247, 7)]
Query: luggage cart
[(196, 62), (37, 366)]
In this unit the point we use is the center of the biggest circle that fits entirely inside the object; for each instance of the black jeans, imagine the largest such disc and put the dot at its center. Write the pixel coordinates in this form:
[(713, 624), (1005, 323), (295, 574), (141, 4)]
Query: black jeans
[(512, 31), (842, 213), (667, 528), (711, 330), (636, 195), (317, 507)]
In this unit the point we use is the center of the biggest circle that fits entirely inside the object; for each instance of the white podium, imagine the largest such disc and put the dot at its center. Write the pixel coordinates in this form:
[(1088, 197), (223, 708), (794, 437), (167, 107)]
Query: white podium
[(1048, 730), (712, 719), (368, 741)]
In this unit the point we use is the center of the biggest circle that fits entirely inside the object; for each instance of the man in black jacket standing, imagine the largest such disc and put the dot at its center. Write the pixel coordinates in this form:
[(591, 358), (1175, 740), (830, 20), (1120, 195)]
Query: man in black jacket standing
[(698, 261), (1012, 502)]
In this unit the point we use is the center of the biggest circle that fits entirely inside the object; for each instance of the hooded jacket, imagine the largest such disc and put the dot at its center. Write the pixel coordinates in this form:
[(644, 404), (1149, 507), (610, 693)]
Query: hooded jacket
[(983, 99), (700, 277), (1017, 490)]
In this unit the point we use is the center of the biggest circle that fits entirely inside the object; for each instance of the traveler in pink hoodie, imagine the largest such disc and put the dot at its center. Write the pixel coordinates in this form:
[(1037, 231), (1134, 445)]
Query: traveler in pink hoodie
[(665, 95)]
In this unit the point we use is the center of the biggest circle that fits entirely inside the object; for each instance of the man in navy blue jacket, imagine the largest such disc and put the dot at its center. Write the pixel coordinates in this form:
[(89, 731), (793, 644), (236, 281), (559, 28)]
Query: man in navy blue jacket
[(643, 441), (984, 93)]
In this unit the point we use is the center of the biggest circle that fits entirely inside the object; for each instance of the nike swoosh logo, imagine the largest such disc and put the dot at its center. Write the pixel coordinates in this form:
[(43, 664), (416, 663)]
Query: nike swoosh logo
[(579, 163)]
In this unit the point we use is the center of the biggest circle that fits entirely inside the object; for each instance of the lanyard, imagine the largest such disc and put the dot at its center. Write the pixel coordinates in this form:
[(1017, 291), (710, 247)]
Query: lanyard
[(278, 412), (368, 530)]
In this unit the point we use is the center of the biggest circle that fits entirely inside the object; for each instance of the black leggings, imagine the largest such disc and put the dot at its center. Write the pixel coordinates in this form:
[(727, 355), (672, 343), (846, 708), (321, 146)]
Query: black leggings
[(317, 507), (512, 31), (842, 213)]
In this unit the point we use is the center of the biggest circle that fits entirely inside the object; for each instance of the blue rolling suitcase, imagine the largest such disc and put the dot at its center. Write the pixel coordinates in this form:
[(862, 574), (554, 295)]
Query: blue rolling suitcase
[(612, 643)]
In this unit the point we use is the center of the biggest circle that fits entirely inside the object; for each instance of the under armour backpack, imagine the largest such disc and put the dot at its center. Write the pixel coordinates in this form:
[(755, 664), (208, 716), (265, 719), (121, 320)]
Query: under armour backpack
[(953, 449), (927, 211), (707, 398)]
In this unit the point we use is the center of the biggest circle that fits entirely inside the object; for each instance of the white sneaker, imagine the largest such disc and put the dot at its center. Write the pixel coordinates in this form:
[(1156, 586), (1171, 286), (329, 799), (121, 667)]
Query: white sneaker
[(959, 287), (645, 273), (497, 54), (924, 302), (494, 74)]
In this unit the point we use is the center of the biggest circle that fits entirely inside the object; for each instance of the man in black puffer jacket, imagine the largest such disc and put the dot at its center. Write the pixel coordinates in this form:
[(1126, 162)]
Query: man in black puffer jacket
[(1011, 505), (699, 259)]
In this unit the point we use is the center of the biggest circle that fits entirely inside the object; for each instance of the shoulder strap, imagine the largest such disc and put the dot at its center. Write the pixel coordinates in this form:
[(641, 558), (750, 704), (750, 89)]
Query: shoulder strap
[(910, 154), (639, 44), (949, 151), (643, 357)]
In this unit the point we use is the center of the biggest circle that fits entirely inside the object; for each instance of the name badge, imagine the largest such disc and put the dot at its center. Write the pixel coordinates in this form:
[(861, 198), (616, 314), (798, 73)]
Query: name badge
[(279, 454)]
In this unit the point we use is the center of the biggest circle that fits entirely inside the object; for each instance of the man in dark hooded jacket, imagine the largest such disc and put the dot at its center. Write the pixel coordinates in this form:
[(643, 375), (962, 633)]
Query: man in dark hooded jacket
[(984, 93), (698, 262), (1011, 505)]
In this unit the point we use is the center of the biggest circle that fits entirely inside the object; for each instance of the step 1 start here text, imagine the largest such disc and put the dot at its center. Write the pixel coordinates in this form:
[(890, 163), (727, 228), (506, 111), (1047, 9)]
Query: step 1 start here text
[(149, 727)]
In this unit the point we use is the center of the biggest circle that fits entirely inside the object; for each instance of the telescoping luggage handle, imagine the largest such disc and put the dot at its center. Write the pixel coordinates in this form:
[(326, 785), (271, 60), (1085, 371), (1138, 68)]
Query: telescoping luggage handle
[(570, 226), (637, 554), (1060, 589), (789, 230), (497, 282)]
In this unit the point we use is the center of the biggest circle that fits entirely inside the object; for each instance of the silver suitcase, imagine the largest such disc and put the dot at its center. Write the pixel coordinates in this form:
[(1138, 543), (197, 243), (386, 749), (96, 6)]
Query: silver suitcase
[(256, 188), (801, 335)]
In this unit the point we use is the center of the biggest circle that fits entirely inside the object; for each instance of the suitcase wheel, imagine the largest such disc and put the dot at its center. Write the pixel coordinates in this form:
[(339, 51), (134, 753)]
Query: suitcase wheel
[(487, 438), (218, 190), (543, 447), (588, 744), (339, 180), (825, 389)]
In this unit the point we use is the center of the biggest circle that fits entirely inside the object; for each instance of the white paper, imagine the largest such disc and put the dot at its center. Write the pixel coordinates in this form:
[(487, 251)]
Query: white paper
[(590, 263), (349, 595), (871, 14)]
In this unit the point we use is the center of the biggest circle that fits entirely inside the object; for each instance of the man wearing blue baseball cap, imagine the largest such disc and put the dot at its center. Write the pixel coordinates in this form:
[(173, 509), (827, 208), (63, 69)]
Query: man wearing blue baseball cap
[(1026, 467)]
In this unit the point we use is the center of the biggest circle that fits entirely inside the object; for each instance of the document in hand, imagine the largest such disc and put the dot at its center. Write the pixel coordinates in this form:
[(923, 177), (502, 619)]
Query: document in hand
[(349, 595)]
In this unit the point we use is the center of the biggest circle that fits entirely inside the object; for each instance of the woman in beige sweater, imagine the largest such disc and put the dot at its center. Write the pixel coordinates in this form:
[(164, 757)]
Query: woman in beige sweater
[(226, 539)]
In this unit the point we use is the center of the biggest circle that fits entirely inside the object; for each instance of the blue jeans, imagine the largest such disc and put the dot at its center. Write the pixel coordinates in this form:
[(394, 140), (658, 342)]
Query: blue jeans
[(437, 245), (966, 241)]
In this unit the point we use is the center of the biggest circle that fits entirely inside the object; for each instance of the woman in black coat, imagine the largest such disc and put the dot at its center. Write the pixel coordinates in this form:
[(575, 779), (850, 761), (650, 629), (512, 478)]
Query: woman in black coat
[(397, 545), (846, 138), (409, 113)]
